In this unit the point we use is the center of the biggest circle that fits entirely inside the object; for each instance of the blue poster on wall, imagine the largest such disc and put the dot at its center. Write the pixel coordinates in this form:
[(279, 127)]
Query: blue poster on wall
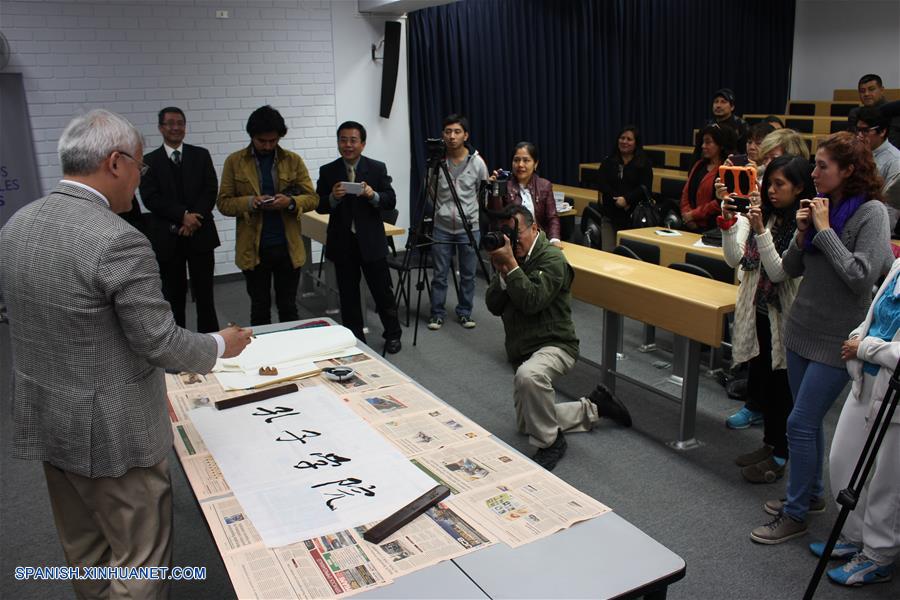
[(19, 179)]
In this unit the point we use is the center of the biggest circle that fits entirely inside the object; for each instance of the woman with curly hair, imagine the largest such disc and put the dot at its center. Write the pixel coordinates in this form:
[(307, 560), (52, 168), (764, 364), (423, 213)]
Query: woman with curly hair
[(841, 247)]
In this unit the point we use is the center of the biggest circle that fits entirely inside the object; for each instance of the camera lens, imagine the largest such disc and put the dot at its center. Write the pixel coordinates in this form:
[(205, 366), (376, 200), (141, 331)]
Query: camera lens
[(492, 240)]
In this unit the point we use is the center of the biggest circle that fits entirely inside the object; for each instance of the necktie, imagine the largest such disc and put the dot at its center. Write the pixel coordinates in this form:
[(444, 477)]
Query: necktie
[(176, 157), (351, 174)]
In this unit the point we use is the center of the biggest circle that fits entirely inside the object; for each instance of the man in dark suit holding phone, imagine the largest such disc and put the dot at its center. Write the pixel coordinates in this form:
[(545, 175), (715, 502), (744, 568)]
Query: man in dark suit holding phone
[(179, 189), (354, 190)]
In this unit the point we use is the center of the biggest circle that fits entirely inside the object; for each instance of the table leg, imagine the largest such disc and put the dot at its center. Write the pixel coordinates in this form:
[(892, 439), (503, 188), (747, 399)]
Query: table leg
[(308, 274), (690, 384), (679, 352), (611, 324), (649, 344)]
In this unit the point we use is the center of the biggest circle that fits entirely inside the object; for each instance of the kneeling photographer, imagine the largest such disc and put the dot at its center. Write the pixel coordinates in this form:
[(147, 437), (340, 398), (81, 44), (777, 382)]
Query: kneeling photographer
[(531, 291)]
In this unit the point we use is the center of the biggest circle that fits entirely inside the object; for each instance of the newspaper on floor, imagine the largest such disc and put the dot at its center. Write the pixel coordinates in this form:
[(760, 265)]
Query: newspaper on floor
[(391, 402), (442, 533), (415, 433), (470, 465), (526, 508)]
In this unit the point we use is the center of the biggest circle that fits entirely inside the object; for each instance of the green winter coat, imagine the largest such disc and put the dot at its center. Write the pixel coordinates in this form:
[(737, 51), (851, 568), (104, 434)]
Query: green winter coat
[(535, 306)]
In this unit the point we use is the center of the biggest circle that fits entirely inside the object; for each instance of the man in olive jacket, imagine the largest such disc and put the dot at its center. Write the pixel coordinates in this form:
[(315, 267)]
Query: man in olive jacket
[(267, 188), (531, 291)]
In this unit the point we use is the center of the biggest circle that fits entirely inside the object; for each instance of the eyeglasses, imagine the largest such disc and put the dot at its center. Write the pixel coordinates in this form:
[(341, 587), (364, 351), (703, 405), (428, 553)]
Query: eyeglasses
[(143, 168), (865, 130)]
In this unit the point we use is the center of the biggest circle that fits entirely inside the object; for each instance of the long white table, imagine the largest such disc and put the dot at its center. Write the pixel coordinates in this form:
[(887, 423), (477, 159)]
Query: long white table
[(606, 557)]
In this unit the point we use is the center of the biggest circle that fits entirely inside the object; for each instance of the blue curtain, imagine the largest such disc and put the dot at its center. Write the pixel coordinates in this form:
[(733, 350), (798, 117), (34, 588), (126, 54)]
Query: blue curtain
[(567, 74)]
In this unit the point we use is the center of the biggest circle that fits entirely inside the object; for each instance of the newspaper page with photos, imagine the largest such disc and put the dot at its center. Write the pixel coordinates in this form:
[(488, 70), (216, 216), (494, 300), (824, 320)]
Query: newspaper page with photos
[(420, 432), (391, 402), (188, 381), (187, 439), (470, 465), (370, 375), (440, 534), (230, 526), (181, 402), (526, 508)]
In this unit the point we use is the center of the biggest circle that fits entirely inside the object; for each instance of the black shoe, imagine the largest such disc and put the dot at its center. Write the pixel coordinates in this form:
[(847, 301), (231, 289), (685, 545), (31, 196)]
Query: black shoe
[(608, 406), (393, 346), (549, 456)]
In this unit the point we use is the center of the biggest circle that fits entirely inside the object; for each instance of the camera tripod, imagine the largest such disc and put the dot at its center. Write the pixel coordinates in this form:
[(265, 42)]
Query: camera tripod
[(849, 496), (420, 239)]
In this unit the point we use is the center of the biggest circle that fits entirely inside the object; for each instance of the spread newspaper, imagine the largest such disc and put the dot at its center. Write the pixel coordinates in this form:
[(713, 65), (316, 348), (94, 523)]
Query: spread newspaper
[(499, 496)]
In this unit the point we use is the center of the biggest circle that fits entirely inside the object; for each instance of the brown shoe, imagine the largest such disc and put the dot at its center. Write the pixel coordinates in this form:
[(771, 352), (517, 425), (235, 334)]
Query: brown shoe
[(773, 507), (781, 529), (751, 458), (765, 471)]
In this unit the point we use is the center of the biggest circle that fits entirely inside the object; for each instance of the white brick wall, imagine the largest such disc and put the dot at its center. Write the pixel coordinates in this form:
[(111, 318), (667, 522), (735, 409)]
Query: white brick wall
[(136, 57)]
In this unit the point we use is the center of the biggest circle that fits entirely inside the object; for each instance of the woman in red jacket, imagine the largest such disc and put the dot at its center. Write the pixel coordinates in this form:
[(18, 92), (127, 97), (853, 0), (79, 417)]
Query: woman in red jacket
[(698, 198), (527, 189)]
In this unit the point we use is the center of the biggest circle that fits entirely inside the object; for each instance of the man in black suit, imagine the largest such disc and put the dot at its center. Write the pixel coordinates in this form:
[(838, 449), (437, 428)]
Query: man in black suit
[(180, 190), (356, 240)]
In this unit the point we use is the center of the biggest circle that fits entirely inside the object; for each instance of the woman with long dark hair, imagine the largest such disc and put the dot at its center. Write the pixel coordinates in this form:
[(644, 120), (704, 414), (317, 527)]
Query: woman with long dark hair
[(841, 248), (698, 198), (626, 177), (755, 243)]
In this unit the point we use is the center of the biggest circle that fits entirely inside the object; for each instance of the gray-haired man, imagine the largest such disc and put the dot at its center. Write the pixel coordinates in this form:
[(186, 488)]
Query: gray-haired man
[(90, 334)]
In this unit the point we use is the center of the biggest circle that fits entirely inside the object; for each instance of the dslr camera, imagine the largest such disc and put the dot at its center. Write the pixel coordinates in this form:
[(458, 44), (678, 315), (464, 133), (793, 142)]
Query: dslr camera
[(493, 240), (498, 186)]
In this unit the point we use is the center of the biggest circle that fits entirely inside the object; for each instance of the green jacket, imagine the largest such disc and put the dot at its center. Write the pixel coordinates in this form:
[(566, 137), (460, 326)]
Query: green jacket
[(535, 306)]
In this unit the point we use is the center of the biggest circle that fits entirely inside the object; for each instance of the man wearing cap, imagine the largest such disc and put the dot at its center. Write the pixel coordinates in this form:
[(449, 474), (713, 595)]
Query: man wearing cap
[(723, 116)]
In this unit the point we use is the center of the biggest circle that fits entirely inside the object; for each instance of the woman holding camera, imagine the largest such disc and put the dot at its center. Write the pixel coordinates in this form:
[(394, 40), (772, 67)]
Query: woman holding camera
[(755, 241), (698, 199), (871, 535), (526, 189), (841, 247)]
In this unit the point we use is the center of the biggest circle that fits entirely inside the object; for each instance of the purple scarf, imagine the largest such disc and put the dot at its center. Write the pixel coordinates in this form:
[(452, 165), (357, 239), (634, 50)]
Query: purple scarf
[(837, 218)]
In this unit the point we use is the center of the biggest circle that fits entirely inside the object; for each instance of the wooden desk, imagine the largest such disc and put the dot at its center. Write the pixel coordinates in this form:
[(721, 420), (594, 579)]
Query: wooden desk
[(672, 153), (579, 196), (851, 95), (671, 249), (820, 108), (689, 306), (660, 174), (315, 226)]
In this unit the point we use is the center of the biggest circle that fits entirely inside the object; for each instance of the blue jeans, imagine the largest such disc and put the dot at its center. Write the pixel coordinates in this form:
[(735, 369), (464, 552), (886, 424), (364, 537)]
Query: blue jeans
[(815, 387), (441, 253)]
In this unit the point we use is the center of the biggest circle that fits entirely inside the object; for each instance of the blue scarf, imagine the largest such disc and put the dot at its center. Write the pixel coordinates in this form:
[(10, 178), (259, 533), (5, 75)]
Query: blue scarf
[(837, 218)]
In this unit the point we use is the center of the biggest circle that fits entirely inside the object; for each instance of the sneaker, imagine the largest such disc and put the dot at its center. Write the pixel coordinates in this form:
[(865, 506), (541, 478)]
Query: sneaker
[(608, 406), (861, 570), (549, 456), (765, 471), (840, 550), (743, 419), (466, 321), (773, 507), (435, 323), (781, 529), (751, 458)]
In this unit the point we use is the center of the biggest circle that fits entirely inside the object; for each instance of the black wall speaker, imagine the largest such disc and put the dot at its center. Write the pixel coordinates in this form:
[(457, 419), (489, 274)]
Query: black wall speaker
[(390, 66)]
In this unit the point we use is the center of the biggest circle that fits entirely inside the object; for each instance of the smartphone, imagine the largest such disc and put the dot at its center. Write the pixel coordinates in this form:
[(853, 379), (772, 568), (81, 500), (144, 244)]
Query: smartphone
[(741, 204), (738, 160), (353, 188), (268, 200), (805, 203)]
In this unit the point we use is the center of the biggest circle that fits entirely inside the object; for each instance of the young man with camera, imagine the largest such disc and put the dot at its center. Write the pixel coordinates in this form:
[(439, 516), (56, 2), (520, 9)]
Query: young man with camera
[(531, 292), (467, 170)]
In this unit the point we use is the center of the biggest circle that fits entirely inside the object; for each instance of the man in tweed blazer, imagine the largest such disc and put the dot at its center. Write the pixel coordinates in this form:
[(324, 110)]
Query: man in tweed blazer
[(90, 335)]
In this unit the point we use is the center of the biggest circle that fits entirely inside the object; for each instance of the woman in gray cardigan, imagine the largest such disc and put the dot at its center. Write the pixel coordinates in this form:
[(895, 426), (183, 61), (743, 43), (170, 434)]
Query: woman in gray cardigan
[(841, 247)]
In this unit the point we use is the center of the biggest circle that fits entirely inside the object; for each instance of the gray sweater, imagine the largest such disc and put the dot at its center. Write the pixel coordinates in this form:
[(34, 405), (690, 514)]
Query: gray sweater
[(836, 290)]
